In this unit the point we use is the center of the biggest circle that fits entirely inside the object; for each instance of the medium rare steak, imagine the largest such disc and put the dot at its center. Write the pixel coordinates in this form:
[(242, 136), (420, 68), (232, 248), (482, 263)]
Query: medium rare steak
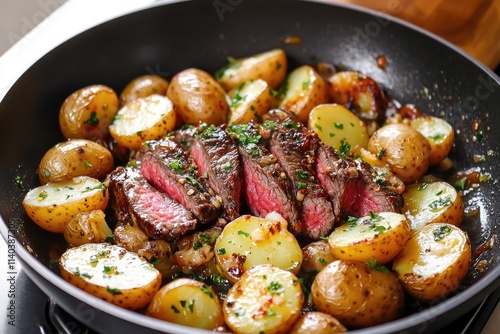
[(294, 146), (134, 199), (216, 155), (169, 168), (266, 187), (351, 186)]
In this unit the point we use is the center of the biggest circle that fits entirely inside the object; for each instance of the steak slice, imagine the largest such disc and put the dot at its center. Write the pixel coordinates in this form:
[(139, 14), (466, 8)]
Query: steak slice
[(184, 136), (216, 155), (352, 187), (170, 169), (294, 146), (134, 199), (266, 186)]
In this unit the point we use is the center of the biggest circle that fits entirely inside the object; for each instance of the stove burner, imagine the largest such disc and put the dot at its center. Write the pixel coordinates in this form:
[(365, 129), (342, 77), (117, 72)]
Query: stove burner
[(62, 322)]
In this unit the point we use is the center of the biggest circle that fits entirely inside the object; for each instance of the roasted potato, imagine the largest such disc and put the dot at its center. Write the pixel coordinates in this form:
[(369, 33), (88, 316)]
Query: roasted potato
[(250, 101), (88, 112), (434, 261), (440, 135), (379, 236), (270, 66), (143, 86), (302, 91), (317, 323), (52, 205), (436, 202), (357, 295), (249, 241), (111, 273), (198, 98), (145, 118), (76, 157), (266, 299), (187, 302), (403, 148), (316, 256), (86, 228), (336, 126)]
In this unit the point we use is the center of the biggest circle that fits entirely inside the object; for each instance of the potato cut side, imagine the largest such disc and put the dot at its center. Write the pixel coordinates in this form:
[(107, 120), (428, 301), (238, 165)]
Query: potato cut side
[(379, 236), (111, 273), (337, 127), (303, 90), (440, 135), (250, 101), (52, 205), (143, 119), (270, 66), (266, 299), (434, 261), (187, 302), (249, 241), (436, 202)]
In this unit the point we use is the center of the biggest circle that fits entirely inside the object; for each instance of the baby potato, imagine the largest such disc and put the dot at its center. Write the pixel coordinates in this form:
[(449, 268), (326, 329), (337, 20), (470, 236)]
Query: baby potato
[(266, 299), (75, 157), (111, 273), (87, 227), (317, 323), (146, 118), (379, 236), (316, 256), (336, 126), (52, 205), (436, 202), (88, 112), (304, 90), (357, 295), (249, 241), (198, 98), (434, 261), (187, 302), (250, 101), (440, 135), (403, 148), (143, 86), (270, 66)]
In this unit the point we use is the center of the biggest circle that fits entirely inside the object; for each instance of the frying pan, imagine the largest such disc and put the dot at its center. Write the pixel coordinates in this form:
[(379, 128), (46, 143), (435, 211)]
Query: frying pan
[(166, 38)]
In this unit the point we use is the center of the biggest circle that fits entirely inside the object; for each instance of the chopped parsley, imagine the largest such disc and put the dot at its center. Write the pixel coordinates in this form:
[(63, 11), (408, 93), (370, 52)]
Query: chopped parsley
[(382, 153), (441, 232), (194, 182), (373, 264), (87, 164), (221, 251), (301, 174), (440, 203), (245, 234), (206, 290), (92, 120), (197, 245), (301, 185), (113, 291), (275, 288)]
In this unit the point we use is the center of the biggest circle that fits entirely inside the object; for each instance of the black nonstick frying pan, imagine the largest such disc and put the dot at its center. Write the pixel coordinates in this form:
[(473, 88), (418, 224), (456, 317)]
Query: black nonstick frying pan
[(166, 38)]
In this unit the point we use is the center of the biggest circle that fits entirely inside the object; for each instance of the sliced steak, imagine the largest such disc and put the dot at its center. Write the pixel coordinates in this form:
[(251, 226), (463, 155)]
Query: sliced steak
[(266, 187), (134, 199), (294, 146), (185, 136), (216, 155), (169, 168), (352, 186)]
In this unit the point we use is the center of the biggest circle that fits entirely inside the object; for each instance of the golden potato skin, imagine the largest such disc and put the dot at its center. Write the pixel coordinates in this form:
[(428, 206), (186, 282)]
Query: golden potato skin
[(198, 98), (403, 148), (317, 323), (87, 227), (88, 112), (316, 256), (440, 135), (143, 86), (357, 295), (76, 157)]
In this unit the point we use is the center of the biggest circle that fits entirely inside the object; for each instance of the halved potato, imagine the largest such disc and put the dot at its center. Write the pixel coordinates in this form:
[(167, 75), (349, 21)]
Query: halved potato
[(434, 261), (436, 202), (143, 119), (249, 241), (143, 86), (111, 273), (266, 299), (317, 323), (379, 236), (440, 135), (187, 302), (303, 90), (270, 66), (52, 205), (250, 101), (86, 228), (316, 256)]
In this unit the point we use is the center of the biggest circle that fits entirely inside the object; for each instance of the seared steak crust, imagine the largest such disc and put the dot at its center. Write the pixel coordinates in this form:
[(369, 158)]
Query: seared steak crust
[(134, 199), (169, 168), (294, 146)]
